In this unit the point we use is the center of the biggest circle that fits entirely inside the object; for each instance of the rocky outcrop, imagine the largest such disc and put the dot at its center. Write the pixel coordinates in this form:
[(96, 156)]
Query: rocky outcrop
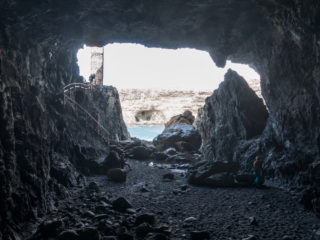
[(38, 45), (178, 135), (185, 117), (233, 113), (156, 107)]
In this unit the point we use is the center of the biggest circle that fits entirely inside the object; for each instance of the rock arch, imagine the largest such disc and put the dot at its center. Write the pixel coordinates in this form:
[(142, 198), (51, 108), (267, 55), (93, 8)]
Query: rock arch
[(38, 45)]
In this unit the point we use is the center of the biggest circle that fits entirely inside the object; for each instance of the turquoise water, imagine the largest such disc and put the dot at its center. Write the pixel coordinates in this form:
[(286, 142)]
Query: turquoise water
[(145, 132)]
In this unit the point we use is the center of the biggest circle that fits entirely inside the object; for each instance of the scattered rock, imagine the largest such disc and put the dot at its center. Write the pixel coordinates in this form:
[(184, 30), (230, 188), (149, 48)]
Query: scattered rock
[(143, 229), (145, 218), (93, 187), (253, 221), (170, 151), (214, 174), (68, 235), (286, 237), (121, 204), (169, 176), (89, 233), (251, 237), (140, 152), (117, 175), (112, 161), (200, 235), (190, 220), (51, 228)]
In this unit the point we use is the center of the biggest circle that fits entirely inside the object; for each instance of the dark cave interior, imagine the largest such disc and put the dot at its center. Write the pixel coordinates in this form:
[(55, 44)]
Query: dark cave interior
[(39, 41)]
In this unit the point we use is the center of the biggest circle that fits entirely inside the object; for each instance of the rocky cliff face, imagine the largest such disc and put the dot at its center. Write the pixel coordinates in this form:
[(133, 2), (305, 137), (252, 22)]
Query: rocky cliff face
[(156, 107), (233, 113), (38, 45)]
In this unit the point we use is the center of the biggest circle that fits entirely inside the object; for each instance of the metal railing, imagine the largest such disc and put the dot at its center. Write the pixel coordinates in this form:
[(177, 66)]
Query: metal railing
[(67, 98)]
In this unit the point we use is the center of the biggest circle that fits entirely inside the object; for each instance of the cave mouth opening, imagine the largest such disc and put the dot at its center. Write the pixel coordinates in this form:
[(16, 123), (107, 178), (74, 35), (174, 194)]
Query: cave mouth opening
[(155, 84)]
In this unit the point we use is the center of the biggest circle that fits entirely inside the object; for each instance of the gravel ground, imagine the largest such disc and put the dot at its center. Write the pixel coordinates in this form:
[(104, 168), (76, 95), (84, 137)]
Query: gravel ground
[(226, 213)]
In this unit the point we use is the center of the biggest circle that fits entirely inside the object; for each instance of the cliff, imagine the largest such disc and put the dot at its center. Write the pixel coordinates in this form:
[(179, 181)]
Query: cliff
[(156, 107)]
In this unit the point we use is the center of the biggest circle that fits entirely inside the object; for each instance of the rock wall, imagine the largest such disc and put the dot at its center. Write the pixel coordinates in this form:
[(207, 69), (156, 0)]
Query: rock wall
[(38, 45), (40, 137), (232, 113), (156, 107)]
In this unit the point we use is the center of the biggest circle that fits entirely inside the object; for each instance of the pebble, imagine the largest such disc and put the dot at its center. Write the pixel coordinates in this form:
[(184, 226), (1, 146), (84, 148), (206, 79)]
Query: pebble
[(200, 235), (121, 204)]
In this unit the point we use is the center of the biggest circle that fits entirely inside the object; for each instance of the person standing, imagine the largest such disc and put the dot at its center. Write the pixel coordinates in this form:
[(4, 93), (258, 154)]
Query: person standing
[(258, 172)]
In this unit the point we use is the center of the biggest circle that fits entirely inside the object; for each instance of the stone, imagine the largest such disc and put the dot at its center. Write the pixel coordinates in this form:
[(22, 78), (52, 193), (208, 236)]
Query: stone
[(113, 160), (159, 236), (145, 218), (50, 228), (215, 174), (143, 229), (176, 133), (253, 221), (88, 214), (168, 176), (200, 235), (190, 220), (140, 152), (121, 204), (117, 175), (186, 118), (170, 151), (286, 237), (93, 187), (89, 233), (68, 235), (251, 237)]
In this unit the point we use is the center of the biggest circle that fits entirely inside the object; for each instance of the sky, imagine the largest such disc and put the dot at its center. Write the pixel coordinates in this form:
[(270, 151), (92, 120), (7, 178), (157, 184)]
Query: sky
[(136, 66)]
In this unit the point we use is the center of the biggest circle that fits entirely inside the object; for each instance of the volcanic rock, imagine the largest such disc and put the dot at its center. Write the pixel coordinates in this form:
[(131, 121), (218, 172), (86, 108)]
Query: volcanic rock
[(176, 133), (117, 175), (232, 113), (185, 117), (121, 204)]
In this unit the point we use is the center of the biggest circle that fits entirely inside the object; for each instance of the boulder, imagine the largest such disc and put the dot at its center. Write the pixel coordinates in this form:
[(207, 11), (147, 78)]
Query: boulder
[(112, 161), (185, 117), (121, 204), (117, 175), (177, 133), (233, 113), (140, 152), (214, 174)]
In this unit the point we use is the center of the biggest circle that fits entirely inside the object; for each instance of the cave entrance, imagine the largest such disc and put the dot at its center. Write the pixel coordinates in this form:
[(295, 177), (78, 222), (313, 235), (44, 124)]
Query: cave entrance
[(156, 84)]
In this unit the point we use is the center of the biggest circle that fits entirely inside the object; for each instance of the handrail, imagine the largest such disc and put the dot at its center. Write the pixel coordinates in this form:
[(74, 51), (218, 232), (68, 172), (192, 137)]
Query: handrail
[(85, 111), (76, 85)]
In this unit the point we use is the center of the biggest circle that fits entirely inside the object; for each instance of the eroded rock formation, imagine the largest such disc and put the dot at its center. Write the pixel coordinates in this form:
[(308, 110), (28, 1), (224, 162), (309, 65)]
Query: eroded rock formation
[(233, 113), (186, 117), (156, 107), (38, 45)]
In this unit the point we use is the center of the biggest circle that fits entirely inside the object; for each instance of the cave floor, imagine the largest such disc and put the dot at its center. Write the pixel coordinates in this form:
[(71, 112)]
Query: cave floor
[(223, 212)]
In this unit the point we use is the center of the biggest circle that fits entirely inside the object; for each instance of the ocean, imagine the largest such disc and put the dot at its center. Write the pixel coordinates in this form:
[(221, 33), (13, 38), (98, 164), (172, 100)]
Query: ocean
[(145, 132)]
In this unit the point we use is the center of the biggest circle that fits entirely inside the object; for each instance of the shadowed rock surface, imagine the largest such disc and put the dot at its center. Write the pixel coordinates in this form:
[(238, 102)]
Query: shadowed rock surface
[(233, 113)]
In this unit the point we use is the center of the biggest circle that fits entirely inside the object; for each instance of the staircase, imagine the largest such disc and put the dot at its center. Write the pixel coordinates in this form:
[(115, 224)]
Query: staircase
[(68, 91)]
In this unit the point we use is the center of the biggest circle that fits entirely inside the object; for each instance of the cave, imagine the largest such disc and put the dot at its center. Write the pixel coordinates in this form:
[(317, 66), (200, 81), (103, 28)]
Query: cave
[(45, 151)]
